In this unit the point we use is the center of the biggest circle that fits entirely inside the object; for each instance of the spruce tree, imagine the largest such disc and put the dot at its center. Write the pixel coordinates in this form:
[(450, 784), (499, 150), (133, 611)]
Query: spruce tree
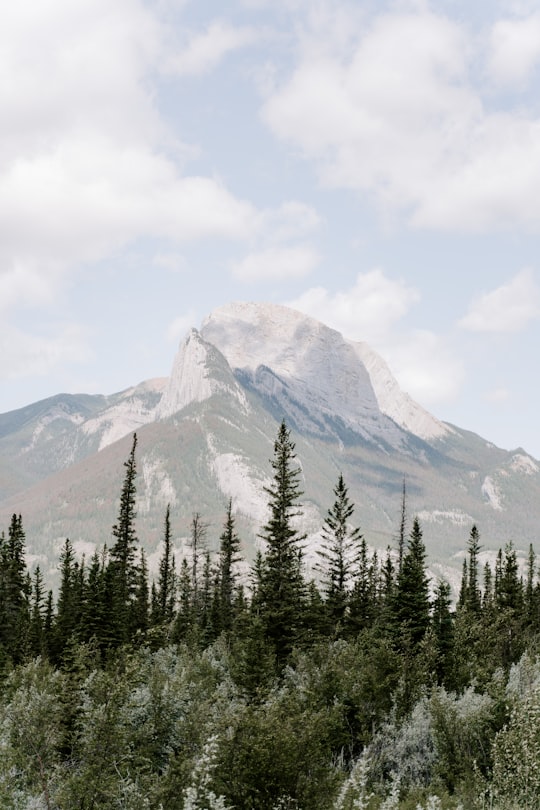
[(282, 590), (66, 610), (14, 592), (443, 631), (164, 596), (411, 602), (339, 552), (229, 555), (122, 570), (473, 600), (37, 615)]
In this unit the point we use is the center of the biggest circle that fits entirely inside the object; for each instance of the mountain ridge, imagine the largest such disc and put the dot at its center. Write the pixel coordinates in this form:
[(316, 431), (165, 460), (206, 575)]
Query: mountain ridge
[(206, 434)]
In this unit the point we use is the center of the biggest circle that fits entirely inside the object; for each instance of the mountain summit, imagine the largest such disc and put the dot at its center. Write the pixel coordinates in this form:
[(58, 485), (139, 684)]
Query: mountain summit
[(320, 370), (206, 434)]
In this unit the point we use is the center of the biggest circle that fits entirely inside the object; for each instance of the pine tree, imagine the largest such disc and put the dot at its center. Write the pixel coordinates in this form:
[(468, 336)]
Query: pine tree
[(94, 619), (339, 551), (37, 615), (163, 601), (199, 529), (14, 592), (229, 556), (473, 601), (122, 569), (185, 619), (443, 631), (66, 610), (411, 603), (364, 593), (141, 599), (282, 591), (402, 527)]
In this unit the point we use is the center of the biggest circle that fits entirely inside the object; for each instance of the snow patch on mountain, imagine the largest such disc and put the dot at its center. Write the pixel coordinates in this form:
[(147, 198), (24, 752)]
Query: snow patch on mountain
[(524, 464), (492, 493), (199, 371)]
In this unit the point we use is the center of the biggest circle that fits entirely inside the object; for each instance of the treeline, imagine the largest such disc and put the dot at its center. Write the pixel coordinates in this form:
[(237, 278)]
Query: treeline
[(278, 693)]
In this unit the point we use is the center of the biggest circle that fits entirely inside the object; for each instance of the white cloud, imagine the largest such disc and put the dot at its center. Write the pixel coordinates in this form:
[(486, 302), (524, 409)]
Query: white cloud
[(514, 49), (292, 220), (173, 262), (180, 325), (24, 354), (276, 263), (425, 366), (409, 124), (204, 51), (368, 311), (508, 308), (86, 162)]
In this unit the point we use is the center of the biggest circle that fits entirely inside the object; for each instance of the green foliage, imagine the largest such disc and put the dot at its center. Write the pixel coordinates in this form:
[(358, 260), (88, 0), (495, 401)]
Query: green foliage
[(364, 693)]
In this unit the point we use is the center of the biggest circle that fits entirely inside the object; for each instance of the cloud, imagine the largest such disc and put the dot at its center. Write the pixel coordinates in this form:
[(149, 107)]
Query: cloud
[(514, 50), (276, 263), (508, 308), (24, 355), (87, 164), (204, 51), (423, 363), (173, 262), (180, 325), (368, 311), (280, 250), (426, 367), (291, 220), (411, 126)]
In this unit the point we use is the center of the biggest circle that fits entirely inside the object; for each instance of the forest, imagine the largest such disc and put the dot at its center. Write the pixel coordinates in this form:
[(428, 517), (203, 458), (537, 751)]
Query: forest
[(206, 689)]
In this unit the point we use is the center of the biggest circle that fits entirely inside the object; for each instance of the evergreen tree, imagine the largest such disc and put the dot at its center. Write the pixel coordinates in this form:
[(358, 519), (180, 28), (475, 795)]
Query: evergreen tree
[(229, 556), (402, 527), (443, 631), (14, 592), (66, 612), (473, 599), (487, 597), (185, 619), (282, 591), (141, 600), (411, 602), (38, 644), (340, 553), (199, 529), (165, 595), (94, 618), (122, 570), (363, 599)]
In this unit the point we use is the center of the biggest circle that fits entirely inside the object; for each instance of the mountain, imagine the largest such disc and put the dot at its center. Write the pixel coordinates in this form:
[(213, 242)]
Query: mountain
[(206, 434)]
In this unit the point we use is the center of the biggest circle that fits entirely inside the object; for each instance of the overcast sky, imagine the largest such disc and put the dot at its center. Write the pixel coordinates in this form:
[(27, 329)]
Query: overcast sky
[(376, 165)]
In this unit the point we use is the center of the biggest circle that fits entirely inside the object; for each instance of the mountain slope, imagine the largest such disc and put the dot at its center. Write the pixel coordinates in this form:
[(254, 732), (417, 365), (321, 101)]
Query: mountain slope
[(206, 434)]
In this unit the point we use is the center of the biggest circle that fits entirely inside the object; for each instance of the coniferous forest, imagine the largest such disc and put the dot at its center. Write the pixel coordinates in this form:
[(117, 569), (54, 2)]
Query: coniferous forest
[(206, 689)]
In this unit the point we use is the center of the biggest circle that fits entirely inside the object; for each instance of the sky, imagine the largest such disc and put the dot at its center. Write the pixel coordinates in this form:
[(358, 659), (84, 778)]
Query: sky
[(373, 164)]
